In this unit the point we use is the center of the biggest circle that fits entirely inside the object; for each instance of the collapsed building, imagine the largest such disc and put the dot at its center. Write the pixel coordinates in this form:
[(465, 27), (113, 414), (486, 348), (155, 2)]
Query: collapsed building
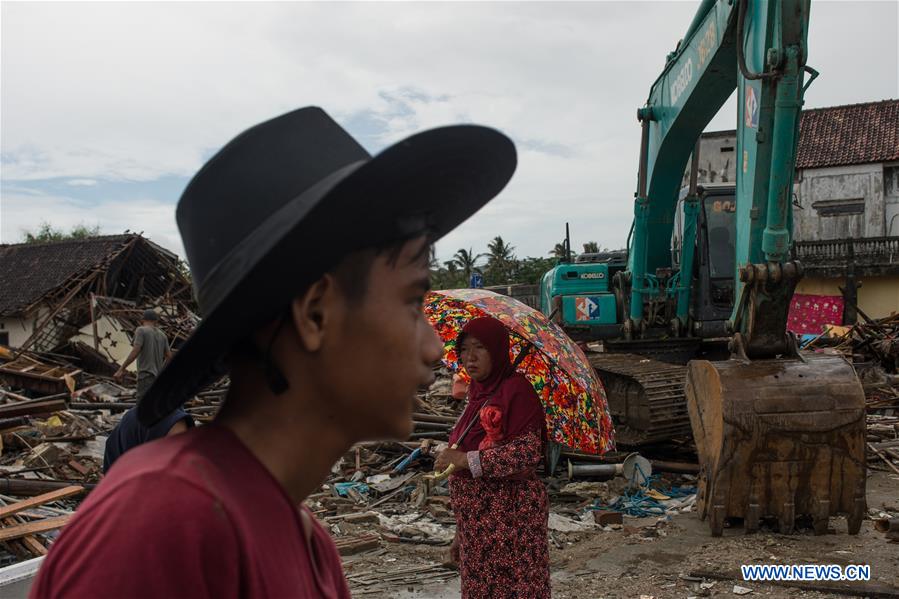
[(83, 298)]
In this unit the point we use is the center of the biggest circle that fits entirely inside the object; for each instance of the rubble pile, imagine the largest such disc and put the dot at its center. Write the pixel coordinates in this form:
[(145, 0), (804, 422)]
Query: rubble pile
[(873, 348), (391, 524)]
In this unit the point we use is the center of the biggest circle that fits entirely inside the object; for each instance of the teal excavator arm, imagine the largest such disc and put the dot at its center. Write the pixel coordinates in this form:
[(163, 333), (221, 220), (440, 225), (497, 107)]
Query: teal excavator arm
[(759, 48)]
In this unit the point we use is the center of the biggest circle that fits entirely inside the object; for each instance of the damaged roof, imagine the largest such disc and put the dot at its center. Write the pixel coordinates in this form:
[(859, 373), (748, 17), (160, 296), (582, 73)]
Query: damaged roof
[(32, 271), (850, 134)]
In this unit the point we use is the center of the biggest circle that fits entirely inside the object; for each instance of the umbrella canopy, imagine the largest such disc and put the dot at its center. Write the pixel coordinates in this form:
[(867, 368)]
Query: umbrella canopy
[(577, 413)]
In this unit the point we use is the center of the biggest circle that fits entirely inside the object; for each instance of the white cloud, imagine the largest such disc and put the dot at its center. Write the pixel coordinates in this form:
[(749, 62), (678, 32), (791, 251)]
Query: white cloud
[(24, 209), (82, 182), (137, 91)]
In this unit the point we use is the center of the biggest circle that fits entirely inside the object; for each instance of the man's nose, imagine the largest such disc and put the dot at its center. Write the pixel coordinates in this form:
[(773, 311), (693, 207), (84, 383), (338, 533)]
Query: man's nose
[(433, 346)]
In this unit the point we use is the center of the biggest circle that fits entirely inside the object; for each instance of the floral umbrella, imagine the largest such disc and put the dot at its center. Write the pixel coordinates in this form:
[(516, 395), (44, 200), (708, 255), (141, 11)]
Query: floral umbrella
[(577, 413)]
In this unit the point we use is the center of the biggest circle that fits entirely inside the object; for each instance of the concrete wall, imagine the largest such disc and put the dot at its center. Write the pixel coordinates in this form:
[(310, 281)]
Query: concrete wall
[(840, 202), (870, 189), (878, 296), (19, 329), (891, 198), (717, 162)]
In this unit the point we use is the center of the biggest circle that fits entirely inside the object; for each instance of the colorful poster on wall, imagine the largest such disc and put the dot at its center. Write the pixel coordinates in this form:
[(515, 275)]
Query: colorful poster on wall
[(810, 313)]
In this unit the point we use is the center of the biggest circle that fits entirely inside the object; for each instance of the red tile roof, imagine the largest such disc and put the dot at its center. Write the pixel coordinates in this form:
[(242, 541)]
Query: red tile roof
[(850, 134)]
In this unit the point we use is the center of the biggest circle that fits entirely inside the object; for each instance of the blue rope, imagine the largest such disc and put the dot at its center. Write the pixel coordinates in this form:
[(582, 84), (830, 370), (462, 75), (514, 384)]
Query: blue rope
[(636, 503)]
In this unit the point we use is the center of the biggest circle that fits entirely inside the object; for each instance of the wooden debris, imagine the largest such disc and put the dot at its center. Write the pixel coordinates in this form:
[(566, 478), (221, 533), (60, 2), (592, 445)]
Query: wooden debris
[(29, 488), (352, 545), (32, 407), (31, 528), (38, 500)]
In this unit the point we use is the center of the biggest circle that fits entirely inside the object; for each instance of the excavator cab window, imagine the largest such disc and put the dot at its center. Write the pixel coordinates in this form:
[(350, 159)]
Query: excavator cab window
[(722, 230), (718, 234)]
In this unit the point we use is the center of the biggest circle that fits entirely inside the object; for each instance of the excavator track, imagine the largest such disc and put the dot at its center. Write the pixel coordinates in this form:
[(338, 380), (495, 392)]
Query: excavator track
[(646, 397)]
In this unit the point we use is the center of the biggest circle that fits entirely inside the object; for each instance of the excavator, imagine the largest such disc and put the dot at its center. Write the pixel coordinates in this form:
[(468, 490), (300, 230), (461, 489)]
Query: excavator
[(694, 328)]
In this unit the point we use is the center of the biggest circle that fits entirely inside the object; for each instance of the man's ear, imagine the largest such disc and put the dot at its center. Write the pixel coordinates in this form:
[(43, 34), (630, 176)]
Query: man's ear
[(313, 312)]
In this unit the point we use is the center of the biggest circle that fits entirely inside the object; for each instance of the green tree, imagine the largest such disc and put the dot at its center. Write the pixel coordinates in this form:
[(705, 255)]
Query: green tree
[(530, 271), (466, 261), (501, 262), (591, 247), (560, 251), (46, 232)]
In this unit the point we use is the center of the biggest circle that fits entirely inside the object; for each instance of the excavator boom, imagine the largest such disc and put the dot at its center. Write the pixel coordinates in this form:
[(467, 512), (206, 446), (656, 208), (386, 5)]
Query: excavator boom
[(779, 434)]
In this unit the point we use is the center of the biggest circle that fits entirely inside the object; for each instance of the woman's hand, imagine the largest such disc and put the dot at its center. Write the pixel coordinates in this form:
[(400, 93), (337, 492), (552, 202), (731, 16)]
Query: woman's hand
[(451, 456)]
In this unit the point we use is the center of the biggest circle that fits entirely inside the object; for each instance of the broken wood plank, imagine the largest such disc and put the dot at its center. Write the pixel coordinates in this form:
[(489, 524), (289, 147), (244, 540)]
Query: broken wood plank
[(79, 467), (32, 406), (13, 508), (30, 542), (352, 545), (884, 458), (24, 530)]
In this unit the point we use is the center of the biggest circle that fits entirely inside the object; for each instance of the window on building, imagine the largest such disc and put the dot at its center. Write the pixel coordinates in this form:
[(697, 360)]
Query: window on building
[(839, 207), (4, 338)]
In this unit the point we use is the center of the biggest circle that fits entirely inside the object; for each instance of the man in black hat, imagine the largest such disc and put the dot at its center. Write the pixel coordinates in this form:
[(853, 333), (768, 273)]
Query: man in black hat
[(323, 348)]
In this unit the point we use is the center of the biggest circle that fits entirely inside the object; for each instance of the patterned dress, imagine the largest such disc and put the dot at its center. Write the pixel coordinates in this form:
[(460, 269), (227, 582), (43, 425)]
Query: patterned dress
[(501, 522)]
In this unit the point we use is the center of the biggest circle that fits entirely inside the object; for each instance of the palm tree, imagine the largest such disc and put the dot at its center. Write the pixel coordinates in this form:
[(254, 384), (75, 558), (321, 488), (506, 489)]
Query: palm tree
[(560, 251), (433, 263), (466, 261), (591, 247), (501, 260)]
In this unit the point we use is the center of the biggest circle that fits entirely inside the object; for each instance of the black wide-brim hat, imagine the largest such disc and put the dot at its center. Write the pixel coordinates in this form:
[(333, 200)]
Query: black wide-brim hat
[(286, 200)]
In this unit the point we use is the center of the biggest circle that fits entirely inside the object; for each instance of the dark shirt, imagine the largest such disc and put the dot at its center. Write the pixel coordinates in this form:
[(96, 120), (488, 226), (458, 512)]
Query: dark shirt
[(129, 433), (192, 515)]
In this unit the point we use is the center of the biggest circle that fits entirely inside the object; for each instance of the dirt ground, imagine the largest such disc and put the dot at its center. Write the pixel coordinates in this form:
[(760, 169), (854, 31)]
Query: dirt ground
[(651, 558)]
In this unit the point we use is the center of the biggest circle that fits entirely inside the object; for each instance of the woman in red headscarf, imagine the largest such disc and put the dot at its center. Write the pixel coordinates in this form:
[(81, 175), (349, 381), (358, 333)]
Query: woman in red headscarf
[(500, 505)]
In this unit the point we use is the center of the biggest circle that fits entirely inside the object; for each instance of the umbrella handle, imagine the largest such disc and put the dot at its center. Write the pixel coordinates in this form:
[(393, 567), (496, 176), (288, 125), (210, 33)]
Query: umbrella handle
[(449, 469)]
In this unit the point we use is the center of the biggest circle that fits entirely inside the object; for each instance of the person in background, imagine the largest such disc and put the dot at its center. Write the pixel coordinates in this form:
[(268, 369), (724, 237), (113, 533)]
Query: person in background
[(500, 505), (150, 349), (129, 433)]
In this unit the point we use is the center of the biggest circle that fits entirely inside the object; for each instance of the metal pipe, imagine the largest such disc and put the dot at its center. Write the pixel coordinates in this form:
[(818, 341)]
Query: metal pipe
[(887, 524), (644, 116), (434, 418), (787, 105), (694, 169), (605, 470), (111, 406)]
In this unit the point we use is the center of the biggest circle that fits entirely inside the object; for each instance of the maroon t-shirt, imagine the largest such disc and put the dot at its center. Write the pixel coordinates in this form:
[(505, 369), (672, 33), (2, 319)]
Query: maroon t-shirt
[(192, 515)]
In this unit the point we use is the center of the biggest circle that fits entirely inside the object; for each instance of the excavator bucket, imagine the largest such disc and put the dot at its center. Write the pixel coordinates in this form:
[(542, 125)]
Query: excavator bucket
[(778, 438)]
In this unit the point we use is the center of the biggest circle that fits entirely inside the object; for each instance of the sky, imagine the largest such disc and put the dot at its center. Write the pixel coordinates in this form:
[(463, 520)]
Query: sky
[(107, 109)]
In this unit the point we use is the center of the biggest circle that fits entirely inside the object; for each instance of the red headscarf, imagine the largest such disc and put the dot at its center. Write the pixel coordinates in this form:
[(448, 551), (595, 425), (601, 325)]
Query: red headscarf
[(513, 407)]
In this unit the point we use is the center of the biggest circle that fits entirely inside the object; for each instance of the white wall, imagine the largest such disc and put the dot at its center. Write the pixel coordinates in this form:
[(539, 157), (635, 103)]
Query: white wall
[(114, 343)]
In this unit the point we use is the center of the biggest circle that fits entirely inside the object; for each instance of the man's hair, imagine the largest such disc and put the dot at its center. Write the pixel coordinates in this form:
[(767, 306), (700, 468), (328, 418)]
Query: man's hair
[(352, 274)]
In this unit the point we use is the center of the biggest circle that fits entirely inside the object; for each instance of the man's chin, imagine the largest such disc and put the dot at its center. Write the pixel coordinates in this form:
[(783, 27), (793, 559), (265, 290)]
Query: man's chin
[(397, 430)]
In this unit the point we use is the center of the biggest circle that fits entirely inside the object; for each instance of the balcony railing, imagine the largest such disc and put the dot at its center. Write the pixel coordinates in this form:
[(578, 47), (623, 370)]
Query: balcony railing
[(871, 255)]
